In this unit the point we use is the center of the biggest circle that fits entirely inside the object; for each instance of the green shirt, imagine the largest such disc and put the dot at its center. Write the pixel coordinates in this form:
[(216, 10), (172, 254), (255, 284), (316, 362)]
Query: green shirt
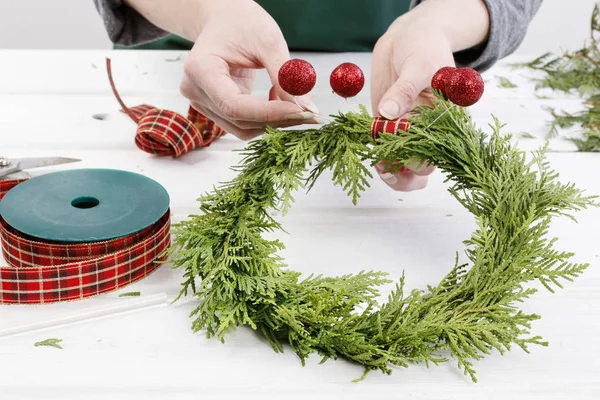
[(320, 25)]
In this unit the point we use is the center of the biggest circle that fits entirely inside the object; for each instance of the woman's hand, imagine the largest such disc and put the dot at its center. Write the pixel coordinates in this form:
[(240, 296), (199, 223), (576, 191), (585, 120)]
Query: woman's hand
[(404, 61), (237, 38), (407, 56)]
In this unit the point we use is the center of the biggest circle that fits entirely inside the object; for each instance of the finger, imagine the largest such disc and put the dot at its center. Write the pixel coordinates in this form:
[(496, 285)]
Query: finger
[(420, 168), (298, 119), (405, 180), (243, 134), (401, 97), (246, 133), (244, 78), (378, 89), (191, 91), (248, 108), (273, 95), (382, 73), (403, 177), (408, 184), (212, 76), (273, 63), (199, 99), (306, 104)]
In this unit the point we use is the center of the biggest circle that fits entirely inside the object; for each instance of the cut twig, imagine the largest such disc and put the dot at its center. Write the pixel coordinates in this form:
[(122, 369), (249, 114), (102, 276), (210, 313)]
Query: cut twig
[(130, 294), (49, 343)]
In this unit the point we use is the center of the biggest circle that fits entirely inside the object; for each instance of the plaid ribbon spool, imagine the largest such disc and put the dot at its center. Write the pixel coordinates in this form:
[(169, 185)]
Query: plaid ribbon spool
[(165, 132), (392, 126), (44, 272)]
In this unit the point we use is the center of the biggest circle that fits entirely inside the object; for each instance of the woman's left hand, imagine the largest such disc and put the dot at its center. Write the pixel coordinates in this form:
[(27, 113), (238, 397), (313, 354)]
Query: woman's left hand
[(405, 59)]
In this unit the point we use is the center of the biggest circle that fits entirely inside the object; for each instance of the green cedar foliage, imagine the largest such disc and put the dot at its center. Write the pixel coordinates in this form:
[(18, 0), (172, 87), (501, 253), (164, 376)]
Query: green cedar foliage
[(239, 279)]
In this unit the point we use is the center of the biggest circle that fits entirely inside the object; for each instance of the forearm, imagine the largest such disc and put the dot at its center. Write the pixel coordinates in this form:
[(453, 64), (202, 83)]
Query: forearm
[(180, 17), (505, 26), (465, 23), (134, 22)]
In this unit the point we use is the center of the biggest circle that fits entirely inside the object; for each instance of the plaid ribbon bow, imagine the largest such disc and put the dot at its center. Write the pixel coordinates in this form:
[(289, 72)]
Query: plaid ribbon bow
[(165, 132), (47, 272)]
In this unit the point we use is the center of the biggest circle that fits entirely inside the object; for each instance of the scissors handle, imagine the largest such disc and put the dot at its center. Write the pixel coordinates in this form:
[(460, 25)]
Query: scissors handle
[(7, 167)]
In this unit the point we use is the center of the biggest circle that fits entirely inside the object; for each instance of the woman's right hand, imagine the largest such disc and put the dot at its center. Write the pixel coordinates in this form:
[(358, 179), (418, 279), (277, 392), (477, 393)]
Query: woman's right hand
[(237, 38)]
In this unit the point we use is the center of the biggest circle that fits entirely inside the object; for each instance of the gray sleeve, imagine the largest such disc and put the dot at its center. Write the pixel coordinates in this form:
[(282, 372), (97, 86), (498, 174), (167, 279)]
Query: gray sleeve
[(124, 25), (509, 20)]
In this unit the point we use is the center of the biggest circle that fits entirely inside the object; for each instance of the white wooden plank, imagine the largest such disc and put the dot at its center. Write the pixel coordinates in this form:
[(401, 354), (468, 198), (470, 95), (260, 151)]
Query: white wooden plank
[(380, 233), (61, 98), (68, 122), (153, 353)]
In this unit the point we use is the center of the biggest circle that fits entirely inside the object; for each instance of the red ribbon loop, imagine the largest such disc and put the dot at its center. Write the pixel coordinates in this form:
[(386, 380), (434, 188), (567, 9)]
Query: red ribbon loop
[(165, 132)]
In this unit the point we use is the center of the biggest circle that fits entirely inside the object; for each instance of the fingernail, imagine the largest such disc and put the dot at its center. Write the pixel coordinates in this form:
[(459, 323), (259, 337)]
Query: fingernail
[(312, 107), (389, 178), (300, 115), (320, 120), (390, 110)]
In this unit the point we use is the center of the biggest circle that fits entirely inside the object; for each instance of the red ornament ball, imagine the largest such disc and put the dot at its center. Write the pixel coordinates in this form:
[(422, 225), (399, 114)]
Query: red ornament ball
[(441, 79), (297, 77), (347, 80), (465, 87)]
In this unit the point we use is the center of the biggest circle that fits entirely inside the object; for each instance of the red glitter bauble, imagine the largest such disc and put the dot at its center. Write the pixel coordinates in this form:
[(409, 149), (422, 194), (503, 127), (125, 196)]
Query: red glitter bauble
[(441, 79), (465, 87), (347, 80), (297, 77)]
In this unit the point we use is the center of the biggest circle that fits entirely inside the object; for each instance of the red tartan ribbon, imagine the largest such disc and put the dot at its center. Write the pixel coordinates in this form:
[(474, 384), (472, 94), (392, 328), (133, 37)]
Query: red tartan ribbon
[(45, 272), (380, 125), (7, 184), (165, 132)]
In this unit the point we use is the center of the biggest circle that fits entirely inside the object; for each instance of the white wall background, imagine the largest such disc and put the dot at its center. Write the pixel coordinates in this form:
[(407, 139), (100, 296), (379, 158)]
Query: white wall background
[(75, 24)]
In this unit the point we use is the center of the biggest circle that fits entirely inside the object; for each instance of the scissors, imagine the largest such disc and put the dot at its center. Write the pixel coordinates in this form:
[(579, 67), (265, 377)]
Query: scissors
[(16, 166)]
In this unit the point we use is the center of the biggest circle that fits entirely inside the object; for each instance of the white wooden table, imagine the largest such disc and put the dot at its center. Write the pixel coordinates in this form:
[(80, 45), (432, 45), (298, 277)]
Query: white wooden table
[(47, 100)]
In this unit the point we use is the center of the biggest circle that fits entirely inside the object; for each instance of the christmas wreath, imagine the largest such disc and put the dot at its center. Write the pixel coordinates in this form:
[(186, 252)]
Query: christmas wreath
[(239, 279)]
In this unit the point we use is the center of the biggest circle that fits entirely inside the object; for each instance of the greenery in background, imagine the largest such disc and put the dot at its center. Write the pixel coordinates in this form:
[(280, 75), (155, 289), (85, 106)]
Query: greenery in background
[(575, 72), (526, 135), (240, 280), (504, 82)]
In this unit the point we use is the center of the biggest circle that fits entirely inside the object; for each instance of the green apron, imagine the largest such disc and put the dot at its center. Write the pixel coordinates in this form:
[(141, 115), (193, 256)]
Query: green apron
[(319, 25)]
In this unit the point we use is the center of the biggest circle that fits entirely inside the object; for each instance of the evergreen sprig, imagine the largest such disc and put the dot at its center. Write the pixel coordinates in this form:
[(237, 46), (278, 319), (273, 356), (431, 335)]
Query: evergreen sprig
[(239, 279), (575, 72), (52, 342)]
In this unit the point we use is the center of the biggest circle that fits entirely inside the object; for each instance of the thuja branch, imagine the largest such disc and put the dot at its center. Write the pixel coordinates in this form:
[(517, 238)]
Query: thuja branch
[(240, 280), (241, 276), (575, 72)]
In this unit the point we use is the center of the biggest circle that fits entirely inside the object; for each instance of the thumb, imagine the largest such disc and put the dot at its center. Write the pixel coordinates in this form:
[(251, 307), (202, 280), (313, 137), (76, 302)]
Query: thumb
[(273, 63), (401, 97)]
